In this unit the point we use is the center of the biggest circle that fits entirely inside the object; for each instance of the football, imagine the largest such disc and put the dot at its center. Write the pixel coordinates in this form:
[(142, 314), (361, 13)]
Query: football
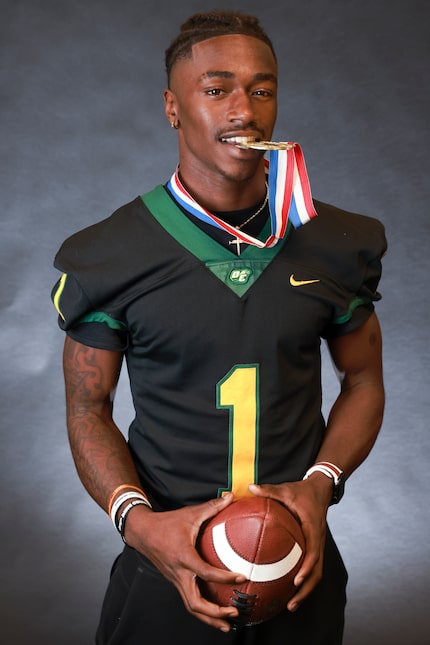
[(261, 539)]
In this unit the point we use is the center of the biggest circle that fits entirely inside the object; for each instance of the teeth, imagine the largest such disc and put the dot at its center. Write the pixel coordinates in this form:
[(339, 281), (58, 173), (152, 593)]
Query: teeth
[(239, 140)]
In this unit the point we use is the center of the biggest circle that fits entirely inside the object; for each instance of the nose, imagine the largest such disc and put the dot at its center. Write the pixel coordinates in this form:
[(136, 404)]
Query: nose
[(240, 107)]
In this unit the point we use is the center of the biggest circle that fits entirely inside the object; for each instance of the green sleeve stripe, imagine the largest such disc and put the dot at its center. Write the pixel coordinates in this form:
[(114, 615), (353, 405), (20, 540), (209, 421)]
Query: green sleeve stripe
[(356, 302), (101, 317)]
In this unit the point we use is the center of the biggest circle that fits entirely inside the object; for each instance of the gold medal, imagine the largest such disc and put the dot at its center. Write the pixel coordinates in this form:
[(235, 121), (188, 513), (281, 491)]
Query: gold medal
[(267, 145)]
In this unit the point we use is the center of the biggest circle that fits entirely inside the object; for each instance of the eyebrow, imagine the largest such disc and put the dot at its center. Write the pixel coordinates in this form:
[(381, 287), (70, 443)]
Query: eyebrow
[(259, 76)]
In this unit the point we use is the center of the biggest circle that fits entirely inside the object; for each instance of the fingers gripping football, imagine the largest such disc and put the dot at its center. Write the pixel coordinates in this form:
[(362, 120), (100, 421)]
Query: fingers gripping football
[(305, 501), (168, 539), (260, 538)]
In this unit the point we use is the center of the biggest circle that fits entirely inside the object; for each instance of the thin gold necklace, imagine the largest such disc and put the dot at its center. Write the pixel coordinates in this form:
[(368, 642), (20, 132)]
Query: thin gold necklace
[(262, 207)]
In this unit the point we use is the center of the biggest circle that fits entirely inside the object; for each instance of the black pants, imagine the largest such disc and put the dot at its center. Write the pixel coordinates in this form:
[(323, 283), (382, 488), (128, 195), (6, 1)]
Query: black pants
[(143, 608)]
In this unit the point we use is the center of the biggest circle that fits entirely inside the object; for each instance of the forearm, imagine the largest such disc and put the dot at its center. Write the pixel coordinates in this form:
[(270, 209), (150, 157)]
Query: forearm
[(99, 449), (101, 455), (353, 426), (356, 416)]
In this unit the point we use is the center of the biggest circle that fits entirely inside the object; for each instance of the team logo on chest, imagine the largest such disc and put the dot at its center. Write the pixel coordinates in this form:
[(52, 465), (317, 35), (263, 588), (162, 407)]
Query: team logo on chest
[(240, 276)]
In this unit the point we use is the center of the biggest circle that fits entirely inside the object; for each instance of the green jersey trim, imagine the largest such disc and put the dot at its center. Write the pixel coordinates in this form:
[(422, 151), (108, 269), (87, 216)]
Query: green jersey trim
[(238, 273), (356, 302), (101, 317)]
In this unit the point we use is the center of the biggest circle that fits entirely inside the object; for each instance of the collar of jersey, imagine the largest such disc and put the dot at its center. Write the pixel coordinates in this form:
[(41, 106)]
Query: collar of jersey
[(172, 219)]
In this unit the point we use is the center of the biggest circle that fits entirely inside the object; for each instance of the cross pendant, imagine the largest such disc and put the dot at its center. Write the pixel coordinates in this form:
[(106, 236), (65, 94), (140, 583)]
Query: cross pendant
[(238, 243)]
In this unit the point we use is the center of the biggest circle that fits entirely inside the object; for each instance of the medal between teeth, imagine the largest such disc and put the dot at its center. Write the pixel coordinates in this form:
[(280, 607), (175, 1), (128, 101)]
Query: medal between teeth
[(266, 145)]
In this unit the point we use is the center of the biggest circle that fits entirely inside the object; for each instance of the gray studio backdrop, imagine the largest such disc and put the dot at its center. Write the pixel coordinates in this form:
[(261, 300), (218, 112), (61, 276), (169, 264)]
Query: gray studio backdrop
[(83, 131)]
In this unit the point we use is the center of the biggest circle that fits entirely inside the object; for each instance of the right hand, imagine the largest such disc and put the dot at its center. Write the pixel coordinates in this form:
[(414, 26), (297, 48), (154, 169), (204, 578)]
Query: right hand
[(168, 539)]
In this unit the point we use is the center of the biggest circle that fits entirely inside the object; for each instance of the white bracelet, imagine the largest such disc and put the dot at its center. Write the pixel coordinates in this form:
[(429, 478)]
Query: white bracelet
[(123, 498), (124, 514), (327, 468)]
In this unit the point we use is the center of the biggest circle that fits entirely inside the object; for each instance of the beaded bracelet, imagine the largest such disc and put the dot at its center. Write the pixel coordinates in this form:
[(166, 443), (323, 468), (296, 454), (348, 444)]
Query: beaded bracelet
[(117, 490), (124, 514), (123, 498), (327, 468)]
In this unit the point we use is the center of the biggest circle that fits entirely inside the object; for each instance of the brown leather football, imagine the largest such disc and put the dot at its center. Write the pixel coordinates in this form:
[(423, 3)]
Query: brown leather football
[(261, 539)]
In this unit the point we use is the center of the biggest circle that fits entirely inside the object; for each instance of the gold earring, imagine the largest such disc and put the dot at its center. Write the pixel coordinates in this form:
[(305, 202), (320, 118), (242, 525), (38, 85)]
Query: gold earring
[(174, 125)]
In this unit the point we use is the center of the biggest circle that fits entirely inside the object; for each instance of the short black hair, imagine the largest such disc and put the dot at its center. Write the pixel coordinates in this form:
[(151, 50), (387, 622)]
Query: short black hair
[(202, 26)]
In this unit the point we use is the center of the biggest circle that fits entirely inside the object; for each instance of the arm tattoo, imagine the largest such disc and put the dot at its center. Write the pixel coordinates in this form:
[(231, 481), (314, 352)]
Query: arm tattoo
[(99, 449)]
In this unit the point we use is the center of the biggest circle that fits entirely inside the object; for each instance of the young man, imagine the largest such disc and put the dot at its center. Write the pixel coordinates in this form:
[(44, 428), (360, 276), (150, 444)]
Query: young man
[(219, 304)]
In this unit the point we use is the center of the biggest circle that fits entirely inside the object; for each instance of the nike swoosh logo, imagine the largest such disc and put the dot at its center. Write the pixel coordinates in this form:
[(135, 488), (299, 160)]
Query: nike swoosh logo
[(300, 283)]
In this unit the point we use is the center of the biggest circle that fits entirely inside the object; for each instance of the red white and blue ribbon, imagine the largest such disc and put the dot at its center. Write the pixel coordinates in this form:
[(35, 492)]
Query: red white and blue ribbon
[(290, 197)]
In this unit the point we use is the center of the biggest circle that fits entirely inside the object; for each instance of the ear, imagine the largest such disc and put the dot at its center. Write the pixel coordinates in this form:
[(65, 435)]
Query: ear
[(170, 107)]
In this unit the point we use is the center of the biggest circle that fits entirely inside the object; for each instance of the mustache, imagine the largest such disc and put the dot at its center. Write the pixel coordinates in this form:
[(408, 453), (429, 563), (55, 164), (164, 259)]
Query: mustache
[(241, 127)]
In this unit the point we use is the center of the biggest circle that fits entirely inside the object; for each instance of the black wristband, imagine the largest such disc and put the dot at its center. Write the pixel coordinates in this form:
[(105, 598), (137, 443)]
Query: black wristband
[(123, 516)]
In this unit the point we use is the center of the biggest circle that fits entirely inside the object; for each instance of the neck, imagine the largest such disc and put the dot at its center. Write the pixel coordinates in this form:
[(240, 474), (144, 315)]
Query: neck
[(223, 195)]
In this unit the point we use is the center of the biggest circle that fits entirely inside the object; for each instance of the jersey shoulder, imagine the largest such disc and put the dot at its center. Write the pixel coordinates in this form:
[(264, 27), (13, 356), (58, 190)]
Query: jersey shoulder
[(110, 255), (357, 230), (340, 244), (99, 241), (108, 263)]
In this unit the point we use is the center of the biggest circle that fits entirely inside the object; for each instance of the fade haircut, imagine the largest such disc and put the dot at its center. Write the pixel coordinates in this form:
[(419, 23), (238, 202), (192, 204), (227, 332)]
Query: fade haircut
[(202, 26)]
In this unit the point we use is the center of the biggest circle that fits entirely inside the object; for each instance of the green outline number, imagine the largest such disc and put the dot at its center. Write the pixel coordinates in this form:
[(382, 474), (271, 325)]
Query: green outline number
[(239, 392)]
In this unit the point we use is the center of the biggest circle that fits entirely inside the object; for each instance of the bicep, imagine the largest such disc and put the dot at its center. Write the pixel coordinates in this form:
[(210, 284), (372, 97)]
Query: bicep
[(91, 376), (357, 356)]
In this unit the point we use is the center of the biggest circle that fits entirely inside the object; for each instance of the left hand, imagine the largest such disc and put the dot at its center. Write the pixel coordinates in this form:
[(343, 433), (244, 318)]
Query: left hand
[(308, 500)]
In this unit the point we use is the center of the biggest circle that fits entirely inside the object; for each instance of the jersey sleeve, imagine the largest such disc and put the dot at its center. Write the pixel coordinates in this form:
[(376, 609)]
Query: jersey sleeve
[(97, 268), (357, 306), (101, 328), (344, 250), (361, 274)]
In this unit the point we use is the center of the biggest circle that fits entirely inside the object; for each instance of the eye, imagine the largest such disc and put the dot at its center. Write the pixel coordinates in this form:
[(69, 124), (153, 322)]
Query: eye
[(263, 92), (214, 91)]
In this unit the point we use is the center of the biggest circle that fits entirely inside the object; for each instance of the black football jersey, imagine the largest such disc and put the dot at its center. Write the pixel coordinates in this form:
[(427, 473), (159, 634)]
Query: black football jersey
[(223, 351)]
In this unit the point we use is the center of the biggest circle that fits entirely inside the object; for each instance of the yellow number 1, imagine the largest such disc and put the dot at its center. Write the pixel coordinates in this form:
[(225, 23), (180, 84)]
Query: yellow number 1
[(238, 391)]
